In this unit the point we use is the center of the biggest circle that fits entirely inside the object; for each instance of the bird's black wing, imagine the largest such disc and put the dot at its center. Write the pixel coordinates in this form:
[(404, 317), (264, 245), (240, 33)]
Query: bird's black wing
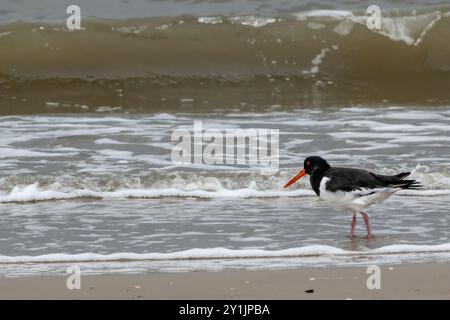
[(345, 179)]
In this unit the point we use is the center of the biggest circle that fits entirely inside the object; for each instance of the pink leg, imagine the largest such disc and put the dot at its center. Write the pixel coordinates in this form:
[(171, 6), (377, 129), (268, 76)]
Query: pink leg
[(352, 231), (366, 221)]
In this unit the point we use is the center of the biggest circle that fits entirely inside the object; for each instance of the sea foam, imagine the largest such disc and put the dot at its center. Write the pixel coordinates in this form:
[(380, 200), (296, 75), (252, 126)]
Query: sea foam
[(224, 253), (34, 192)]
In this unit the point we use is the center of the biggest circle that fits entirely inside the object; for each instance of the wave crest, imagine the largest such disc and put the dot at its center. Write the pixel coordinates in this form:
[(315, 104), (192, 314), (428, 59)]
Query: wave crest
[(135, 65)]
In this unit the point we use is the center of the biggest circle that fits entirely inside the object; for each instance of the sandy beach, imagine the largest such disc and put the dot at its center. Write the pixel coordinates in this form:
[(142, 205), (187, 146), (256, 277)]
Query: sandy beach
[(417, 281)]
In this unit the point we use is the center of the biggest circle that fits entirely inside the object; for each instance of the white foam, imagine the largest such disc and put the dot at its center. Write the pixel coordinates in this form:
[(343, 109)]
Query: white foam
[(15, 153), (3, 34), (335, 14), (210, 20), (412, 115), (319, 57), (107, 141), (315, 26), (344, 28), (108, 109), (405, 248), (205, 190), (35, 193), (416, 139), (252, 21), (408, 29), (224, 253)]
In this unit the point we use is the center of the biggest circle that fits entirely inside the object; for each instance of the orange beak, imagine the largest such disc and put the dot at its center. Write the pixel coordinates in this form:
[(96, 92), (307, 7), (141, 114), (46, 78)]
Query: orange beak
[(298, 176)]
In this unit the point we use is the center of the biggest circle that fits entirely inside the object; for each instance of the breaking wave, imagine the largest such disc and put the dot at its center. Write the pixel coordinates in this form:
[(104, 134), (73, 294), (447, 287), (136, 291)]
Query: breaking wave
[(180, 63), (184, 185)]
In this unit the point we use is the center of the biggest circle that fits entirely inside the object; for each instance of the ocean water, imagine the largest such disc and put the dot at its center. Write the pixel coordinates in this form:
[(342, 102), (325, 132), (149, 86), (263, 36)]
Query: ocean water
[(86, 119), (95, 188), (48, 10), (173, 63)]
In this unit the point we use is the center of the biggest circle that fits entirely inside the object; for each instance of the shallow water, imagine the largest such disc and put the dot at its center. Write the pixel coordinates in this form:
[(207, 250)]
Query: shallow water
[(84, 170), (172, 225), (86, 173)]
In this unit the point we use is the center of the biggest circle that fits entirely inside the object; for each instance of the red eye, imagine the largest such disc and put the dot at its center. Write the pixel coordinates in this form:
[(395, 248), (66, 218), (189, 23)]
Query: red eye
[(308, 163)]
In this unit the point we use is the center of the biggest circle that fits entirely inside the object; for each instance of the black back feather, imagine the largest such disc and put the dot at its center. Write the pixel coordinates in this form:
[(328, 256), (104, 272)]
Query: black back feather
[(345, 179)]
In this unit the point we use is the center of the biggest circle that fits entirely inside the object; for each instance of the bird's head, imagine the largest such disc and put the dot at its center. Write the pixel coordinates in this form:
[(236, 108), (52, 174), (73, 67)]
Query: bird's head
[(310, 165)]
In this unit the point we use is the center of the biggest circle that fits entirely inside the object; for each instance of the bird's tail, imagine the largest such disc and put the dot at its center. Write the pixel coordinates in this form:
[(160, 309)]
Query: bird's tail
[(398, 181), (402, 175)]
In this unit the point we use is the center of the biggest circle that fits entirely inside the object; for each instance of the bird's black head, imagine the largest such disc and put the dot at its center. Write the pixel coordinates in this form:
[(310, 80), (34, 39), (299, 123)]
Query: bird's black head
[(315, 164), (311, 165)]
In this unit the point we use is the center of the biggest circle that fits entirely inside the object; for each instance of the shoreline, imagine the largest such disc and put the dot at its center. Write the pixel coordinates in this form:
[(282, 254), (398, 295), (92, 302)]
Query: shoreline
[(404, 281)]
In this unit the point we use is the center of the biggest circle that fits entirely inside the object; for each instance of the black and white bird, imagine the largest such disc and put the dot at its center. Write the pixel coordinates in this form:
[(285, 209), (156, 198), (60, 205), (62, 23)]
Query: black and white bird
[(351, 189)]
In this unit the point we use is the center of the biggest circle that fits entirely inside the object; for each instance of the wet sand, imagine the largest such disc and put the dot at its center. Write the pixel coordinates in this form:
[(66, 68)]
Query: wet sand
[(416, 281)]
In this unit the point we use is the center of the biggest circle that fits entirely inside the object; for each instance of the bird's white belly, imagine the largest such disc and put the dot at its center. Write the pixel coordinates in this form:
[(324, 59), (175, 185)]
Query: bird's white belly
[(354, 201)]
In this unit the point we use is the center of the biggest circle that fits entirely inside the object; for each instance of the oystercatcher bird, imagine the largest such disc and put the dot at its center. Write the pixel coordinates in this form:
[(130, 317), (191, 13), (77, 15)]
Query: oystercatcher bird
[(351, 189)]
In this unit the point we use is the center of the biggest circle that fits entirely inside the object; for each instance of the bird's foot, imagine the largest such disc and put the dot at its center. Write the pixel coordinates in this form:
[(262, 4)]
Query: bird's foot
[(369, 237)]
